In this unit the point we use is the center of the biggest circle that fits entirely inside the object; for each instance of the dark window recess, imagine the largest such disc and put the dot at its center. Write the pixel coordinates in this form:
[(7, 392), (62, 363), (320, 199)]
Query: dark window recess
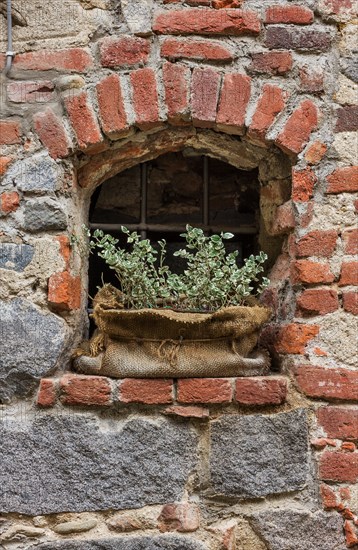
[(158, 198)]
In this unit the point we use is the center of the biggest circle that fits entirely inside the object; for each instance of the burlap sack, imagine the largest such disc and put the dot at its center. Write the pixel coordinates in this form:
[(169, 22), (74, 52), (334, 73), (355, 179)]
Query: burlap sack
[(157, 343)]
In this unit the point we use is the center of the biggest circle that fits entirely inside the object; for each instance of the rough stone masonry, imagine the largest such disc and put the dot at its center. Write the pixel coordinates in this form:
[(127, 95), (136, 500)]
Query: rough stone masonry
[(246, 463)]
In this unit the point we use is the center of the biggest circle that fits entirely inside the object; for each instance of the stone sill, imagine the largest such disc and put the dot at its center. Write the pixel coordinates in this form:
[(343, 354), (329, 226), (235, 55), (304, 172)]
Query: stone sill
[(84, 390)]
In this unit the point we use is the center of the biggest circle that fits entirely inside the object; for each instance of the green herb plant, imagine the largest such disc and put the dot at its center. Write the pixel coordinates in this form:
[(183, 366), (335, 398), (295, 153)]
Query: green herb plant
[(210, 280)]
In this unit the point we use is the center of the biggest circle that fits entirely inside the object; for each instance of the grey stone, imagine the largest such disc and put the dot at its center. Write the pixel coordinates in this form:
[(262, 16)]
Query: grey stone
[(15, 256), (44, 215), (138, 15), (31, 343), (69, 464), (75, 526), (294, 530), (38, 174), (254, 456), (350, 69), (161, 542)]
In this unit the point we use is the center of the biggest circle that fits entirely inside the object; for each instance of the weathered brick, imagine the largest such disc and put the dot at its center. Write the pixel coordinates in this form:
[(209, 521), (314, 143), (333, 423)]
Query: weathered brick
[(350, 302), (351, 534), (322, 442), (270, 104), (275, 63), (284, 220), (124, 51), (318, 301), (146, 391), (187, 411), (145, 98), (71, 59), (9, 202), (47, 393), (176, 80), (327, 383), (339, 422), (205, 390), (38, 91), (343, 180), (335, 7), (207, 22), (234, 98), (198, 50), (350, 240), (289, 14), (183, 517), (311, 79), (349, 274), (317, 243), (65, 248), (305, 271), (315, 152), (204, 97), (293, 338), (52, 133), (298, 128), (338, 466), (84, 122), (85, 390), (328, 496), (4, 164), (10, 132), (111, 107), (220, 4), (347, 119), (350, 447), (260, 391), (64, 291), (297, 39)]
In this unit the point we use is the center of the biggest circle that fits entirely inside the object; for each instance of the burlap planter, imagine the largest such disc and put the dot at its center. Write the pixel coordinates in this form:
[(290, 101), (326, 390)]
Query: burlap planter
[(157, 343)]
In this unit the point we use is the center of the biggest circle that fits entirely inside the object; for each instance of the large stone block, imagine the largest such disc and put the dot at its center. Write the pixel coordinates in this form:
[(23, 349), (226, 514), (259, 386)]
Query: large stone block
[(69, 464), (138, 15), (161, 542), (15, 256), (254, 456), (31, 343), (44, 215), (299, 530), (38, 174)]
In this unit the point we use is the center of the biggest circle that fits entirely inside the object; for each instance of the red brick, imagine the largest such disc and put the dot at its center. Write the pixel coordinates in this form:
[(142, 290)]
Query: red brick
[(311, 80), (275, 63), (188, 412), (10, 132), (348, 446), (38, 91), (318, 301), (47, 393), (284, 220), (347, 119), (183, 517), (207, 22), (305, 271), (337, 466), (204, 390), (71, 59), (197, 50), (52, 133), (293, 338), (322, 442), (124, 51), (329, 499), (303, 182), (349, 274), (146, 391), (317, 243), (4, 164), (343, 180), (220, 4), (176, 80), (85, 390), (350, 302), (298, 128), (234, 98), (65, 248), (111, 107), (64, 291), (350, 239), (260, 391), (315, 152), (289, 14), (296, 38), (339, 422), (9, 202), (351, 534), (328, 383), (270, 104), (145, 98), (84, 122), (204, 97)]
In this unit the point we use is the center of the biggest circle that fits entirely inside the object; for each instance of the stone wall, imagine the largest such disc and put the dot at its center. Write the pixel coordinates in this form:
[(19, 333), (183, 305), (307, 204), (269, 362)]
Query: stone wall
[(257, 463)]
